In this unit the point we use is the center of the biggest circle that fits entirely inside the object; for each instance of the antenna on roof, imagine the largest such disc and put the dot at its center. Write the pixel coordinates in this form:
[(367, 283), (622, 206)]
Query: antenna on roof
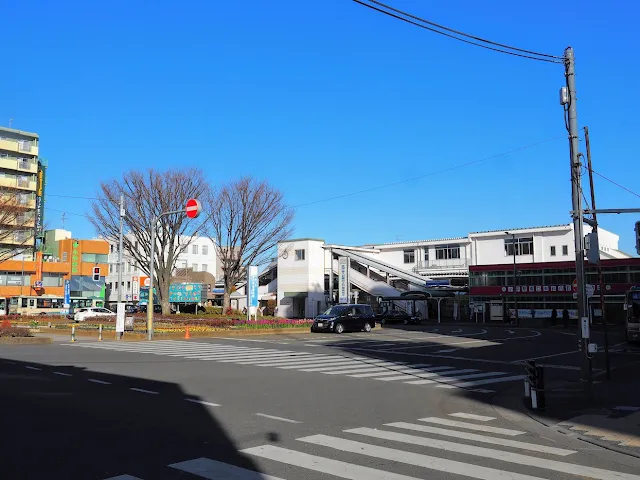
[(10, 122)]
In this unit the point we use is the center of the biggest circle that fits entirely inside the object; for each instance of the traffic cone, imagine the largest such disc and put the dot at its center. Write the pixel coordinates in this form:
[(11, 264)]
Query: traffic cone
[(186, 333)]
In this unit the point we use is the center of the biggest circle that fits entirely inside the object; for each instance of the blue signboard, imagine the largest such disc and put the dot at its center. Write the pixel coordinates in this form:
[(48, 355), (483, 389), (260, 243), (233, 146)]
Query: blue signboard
[(253, 286), (438, 283), (187, 293), (67, 294)]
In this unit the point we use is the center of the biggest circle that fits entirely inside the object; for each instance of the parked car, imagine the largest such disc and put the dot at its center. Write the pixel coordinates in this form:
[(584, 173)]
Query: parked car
[(84, 314), (342, 318), (156, 309)]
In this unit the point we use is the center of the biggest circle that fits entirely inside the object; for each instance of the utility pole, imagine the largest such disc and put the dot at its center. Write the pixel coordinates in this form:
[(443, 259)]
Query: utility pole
[(515, 275), (569, 98), (600, 279), (120, 264)]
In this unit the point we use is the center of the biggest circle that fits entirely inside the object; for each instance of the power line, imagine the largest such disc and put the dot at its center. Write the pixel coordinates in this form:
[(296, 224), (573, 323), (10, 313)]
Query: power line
[(464, 34), (497, 155), (616, 184), (548, 60), (69, 196), (67, 212)]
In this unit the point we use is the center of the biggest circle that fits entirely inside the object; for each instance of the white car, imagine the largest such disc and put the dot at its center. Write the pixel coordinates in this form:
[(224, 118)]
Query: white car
[(92, 312)]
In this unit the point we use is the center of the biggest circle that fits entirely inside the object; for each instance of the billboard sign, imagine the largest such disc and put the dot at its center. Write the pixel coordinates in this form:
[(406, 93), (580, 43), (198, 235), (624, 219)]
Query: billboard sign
[(39, 223), (67, 294), (135, 288), (252, 289), (187, 293), (343, 280)]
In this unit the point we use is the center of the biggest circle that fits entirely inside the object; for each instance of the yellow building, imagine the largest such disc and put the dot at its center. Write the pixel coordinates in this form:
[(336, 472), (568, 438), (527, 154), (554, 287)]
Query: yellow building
[(21, 193)]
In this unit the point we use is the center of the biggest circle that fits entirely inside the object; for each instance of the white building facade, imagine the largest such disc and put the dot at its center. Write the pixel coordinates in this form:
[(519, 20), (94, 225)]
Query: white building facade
[(304, 266)]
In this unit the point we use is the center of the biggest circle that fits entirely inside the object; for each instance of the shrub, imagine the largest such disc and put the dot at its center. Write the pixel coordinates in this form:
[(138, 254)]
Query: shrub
[(14, 332), (271, 307), (5, 324)]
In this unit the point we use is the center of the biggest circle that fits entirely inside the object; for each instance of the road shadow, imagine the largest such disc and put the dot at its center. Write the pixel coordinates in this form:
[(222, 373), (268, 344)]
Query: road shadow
[(74, 423)]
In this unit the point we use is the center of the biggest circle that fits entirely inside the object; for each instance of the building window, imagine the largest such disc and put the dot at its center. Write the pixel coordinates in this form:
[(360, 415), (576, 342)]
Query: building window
[(112, 248), (565, 250), (299, 255), (205, 249), (447, 252), (194, 267), (553, 251), (204, 267), (522, 246), (194, 249), (64, 256), (409, 256), (426, 254)]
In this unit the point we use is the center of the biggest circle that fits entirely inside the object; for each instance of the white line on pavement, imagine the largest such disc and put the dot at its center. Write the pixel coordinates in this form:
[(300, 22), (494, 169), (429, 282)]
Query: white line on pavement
[(471, 426), (142, 390), (214, 470), (32, 368), (437, 375), (511, 378), (62, 374), (517, 458), (101, 382), (272, 417), (471, 416), (417, 459), (202, 402), (482, 438), (545, 356)]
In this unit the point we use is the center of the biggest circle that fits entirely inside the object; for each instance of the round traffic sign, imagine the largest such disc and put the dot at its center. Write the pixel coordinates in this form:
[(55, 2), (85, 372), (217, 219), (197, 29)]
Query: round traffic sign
[(575, 285), (193, 208)]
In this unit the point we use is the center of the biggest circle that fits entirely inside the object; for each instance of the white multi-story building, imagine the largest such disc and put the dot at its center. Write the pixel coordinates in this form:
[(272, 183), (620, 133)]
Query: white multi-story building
[(305, 265), (198, 255)]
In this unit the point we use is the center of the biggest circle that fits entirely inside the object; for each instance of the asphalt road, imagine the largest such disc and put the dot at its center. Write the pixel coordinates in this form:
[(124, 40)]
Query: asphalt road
[(296, 407)]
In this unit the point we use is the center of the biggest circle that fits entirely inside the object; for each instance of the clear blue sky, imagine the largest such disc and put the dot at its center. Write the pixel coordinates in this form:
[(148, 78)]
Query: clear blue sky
[(329, 97)]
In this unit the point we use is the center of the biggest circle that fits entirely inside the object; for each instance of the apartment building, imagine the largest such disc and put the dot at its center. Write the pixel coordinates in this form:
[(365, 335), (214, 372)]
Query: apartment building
[(22, 183)]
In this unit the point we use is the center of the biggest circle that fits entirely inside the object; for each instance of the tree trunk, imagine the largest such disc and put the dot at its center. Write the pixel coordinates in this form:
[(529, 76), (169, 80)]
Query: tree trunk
[(163, 293), (226, 300)]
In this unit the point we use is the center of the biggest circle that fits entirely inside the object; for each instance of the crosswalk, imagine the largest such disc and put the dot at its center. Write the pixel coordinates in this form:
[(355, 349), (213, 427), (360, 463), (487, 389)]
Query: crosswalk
[(408, 451), (440, 376)]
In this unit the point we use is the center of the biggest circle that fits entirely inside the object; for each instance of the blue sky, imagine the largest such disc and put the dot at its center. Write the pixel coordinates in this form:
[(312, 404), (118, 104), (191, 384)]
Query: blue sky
[(327, 98)]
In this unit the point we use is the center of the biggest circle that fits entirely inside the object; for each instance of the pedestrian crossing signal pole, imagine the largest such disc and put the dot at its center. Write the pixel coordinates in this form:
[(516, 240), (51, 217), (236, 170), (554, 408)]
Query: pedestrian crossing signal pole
[(568, 98)]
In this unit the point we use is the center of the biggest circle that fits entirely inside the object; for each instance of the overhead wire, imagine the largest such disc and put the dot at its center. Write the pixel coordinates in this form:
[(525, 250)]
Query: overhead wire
[(548, 60), (462, 33), (616, 184), (445, 170)]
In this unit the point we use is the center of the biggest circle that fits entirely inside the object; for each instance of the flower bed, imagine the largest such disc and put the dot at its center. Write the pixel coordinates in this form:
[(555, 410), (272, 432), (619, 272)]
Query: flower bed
[(14, 332), (170, 324)]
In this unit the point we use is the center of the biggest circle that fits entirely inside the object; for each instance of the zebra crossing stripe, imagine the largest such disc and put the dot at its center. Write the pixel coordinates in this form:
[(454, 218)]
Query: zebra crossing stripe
[(418, 373), (415, 459), (329, 466), (285, 361), (517, 458), (362, 368), (485, 382), (437, 375), (471, 426), (214, 470), (505, 442), (471, 416), (472, 375)]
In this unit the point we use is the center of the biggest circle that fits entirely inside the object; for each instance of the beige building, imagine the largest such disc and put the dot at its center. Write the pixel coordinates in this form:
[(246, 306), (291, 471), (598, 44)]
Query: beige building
[(21, 194)]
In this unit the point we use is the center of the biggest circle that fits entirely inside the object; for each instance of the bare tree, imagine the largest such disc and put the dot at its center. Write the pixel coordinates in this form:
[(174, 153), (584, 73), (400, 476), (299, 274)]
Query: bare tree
[(147, 195), (17, 223), (247, 220)]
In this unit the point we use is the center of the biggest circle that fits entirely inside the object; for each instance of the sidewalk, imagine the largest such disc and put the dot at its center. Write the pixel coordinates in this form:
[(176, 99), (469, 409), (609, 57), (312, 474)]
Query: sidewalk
[(609, 418)]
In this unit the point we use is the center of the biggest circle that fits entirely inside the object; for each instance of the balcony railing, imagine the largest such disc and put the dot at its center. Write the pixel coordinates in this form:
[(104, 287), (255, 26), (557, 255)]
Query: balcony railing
[(442, 264)]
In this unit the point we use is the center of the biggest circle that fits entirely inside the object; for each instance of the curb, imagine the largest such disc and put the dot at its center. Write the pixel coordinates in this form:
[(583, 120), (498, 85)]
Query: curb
[(25, 340)]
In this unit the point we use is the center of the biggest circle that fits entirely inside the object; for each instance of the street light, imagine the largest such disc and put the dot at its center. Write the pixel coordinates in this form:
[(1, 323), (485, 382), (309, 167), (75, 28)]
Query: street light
[(515, 297)]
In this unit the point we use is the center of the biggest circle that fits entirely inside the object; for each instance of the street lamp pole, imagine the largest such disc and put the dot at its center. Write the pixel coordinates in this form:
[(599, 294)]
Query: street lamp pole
[(515, 296), (154, 225)]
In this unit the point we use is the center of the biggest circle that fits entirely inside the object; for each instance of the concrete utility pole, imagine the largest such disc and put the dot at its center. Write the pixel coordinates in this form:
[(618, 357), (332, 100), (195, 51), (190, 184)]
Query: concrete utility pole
[(576, 199), (122, 214)]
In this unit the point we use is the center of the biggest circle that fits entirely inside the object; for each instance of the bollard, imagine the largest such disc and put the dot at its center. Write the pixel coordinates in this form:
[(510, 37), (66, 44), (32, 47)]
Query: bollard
[(542, 401), (100, 333), (73, 333), (186, 333), (531, 384)]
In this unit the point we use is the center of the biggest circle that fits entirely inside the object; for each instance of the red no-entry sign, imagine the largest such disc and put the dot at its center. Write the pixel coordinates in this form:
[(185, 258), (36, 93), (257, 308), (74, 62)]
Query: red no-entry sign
[(193, 208)]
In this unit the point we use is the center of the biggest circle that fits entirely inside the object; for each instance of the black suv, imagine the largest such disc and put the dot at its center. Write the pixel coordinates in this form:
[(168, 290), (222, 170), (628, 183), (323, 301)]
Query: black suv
[(340, 318)]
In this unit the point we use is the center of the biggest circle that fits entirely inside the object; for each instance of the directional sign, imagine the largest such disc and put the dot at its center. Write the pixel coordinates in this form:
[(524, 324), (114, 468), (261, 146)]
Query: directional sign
[(193, 208), (590, 290)]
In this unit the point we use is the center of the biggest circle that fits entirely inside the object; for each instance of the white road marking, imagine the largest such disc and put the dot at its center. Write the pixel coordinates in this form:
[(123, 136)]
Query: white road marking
[(214, 470), (363, 368), (437, 375), (545, 356), (517, 458), (202, 402), (448, 350), (418, 374), (124, 477), (393, 371), (416, 459), (101, 382), (32, 368), (62, 374), (347, 365), (471, 426), (475, 383), (567, 333), (482, 438), (472, 416), (291, 361), (511, 331), (281, 419), (472, 375), (329, 466), (142, 390)]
